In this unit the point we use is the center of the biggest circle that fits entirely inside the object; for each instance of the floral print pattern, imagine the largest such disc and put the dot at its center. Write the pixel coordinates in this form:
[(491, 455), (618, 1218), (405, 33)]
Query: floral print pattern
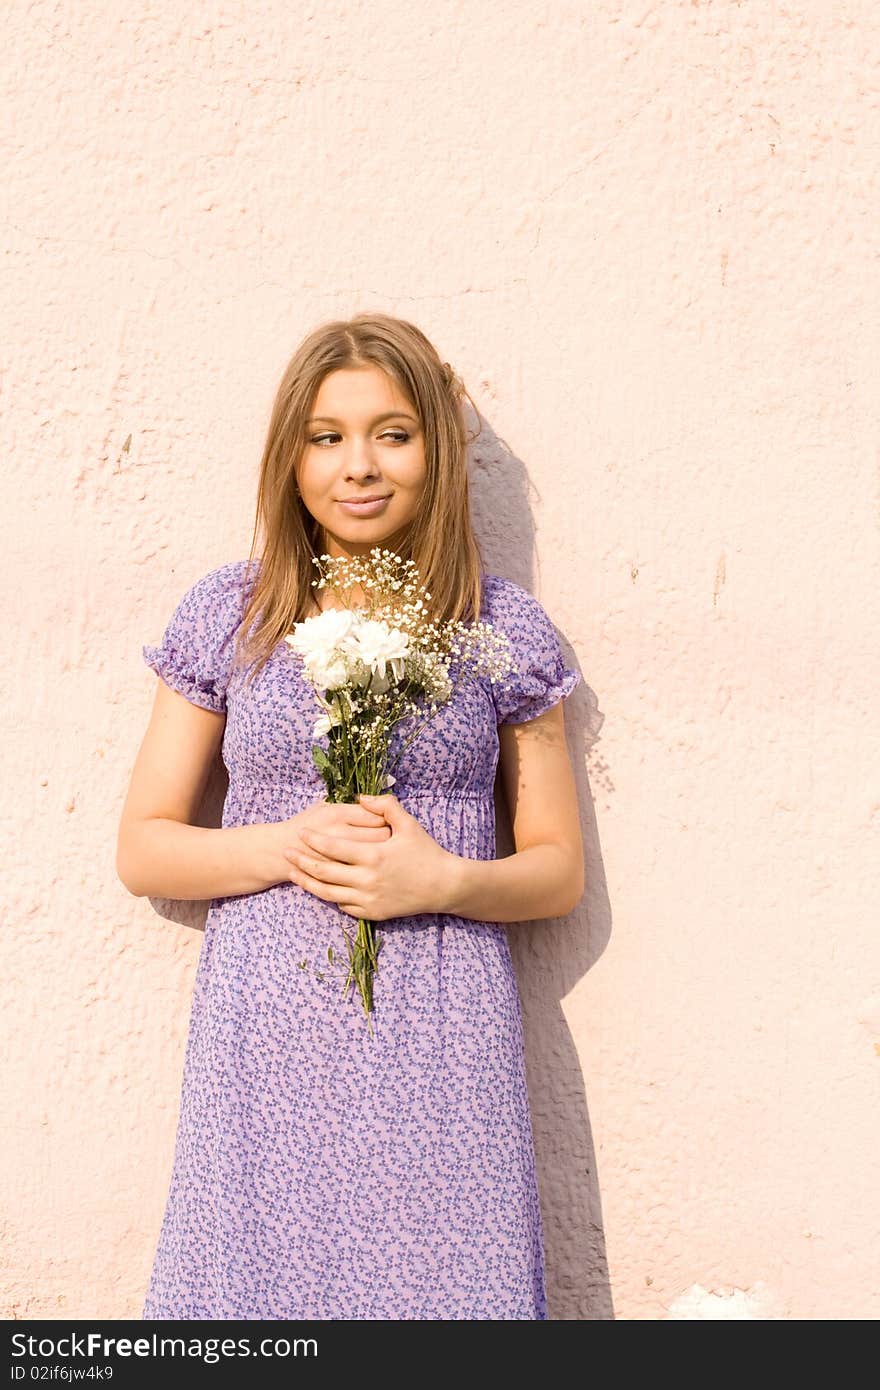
[(319, 1172)]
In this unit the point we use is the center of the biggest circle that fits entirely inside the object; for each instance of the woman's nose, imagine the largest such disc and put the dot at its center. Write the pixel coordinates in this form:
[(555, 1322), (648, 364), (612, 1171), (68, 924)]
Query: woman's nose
[(359, 461)]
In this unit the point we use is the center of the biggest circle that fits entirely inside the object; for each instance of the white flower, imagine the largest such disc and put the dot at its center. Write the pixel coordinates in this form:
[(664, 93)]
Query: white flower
[(442, 689), (358, 674), (378, 681), (329, 672), (325, 633), (326, 644), (380, 646), (331, 716)]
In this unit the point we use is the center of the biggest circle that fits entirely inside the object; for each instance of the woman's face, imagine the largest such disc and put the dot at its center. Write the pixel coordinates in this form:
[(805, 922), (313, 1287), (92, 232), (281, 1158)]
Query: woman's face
[(362, 441)]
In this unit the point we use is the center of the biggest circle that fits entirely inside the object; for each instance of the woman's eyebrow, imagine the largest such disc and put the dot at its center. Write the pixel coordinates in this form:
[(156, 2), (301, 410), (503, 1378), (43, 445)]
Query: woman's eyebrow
[(388, 415)]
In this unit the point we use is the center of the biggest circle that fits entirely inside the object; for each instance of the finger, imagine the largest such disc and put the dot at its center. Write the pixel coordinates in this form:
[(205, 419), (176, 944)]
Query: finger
[(361, 832), (324, 877), (319, 889), (354, 814), (336, 847), (327, 871), (369, 833)]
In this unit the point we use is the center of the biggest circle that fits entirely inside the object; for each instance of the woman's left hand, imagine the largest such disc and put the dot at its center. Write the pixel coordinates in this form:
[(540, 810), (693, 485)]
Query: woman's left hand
[(401, 876)]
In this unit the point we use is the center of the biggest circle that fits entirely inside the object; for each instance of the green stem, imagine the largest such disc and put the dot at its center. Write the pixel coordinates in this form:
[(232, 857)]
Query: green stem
[(363, 963)]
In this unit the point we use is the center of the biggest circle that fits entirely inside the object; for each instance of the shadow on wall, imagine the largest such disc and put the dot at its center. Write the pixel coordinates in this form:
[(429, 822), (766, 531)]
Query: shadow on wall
[(550, 958)]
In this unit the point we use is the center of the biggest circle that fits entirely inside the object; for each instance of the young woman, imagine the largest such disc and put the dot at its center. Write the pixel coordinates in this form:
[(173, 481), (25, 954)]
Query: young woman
[(320, 1171)]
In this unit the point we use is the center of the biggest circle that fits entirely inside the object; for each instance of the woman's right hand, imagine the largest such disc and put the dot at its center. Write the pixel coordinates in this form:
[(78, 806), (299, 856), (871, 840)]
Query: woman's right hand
[(349, 819)]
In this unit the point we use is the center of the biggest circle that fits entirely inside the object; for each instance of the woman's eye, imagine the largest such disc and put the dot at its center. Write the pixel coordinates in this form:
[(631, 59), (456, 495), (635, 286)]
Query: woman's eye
[(399, 436)]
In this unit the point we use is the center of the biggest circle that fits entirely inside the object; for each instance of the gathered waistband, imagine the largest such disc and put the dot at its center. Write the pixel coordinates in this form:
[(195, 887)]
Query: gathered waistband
[(253, 791)]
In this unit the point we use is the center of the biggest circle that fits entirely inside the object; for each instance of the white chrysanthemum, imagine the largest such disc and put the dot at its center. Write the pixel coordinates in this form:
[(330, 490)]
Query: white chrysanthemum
[(329, 671), (326, 644), (380, 646), (358, 673), (323, 634)]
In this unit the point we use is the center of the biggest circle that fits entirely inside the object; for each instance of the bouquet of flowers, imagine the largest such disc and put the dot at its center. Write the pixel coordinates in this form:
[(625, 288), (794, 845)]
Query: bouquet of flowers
[(373, 666)]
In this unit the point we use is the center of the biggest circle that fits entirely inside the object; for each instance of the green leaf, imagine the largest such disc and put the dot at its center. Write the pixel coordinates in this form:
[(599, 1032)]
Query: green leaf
[(322, 762)]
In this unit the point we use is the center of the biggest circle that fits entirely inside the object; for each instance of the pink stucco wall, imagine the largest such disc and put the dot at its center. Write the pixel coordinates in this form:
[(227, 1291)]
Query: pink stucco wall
[(646, 236)]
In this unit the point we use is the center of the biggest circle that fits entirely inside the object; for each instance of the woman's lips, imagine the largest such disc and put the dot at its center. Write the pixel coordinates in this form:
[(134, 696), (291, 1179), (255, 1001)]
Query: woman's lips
[(365, 508)]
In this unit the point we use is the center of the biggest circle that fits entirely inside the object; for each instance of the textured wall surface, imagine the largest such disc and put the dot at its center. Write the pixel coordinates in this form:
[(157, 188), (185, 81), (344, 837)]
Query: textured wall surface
[(646, 236)]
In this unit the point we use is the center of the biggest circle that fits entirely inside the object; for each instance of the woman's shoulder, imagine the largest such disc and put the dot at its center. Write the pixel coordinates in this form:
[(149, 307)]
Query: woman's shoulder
[(213, 604), (542, 676), (509, 604), (232, 574), (194, 655), (222, 587)]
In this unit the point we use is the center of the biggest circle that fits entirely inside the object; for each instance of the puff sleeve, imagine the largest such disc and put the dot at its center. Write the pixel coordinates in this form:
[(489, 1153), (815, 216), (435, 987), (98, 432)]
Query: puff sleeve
[(540, 678), (195, 654)]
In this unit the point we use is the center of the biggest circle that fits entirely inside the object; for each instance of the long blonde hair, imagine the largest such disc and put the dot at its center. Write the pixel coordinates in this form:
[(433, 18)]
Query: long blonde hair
[(440, 539)]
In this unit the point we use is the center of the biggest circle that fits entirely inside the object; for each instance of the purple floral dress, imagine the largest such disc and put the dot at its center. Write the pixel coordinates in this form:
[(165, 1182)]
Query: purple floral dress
[(320, 1172)]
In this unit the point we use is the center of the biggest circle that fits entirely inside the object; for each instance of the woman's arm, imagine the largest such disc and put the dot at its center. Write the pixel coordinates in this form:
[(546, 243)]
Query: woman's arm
[(545, 876), (159, 852), (165, 858)]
